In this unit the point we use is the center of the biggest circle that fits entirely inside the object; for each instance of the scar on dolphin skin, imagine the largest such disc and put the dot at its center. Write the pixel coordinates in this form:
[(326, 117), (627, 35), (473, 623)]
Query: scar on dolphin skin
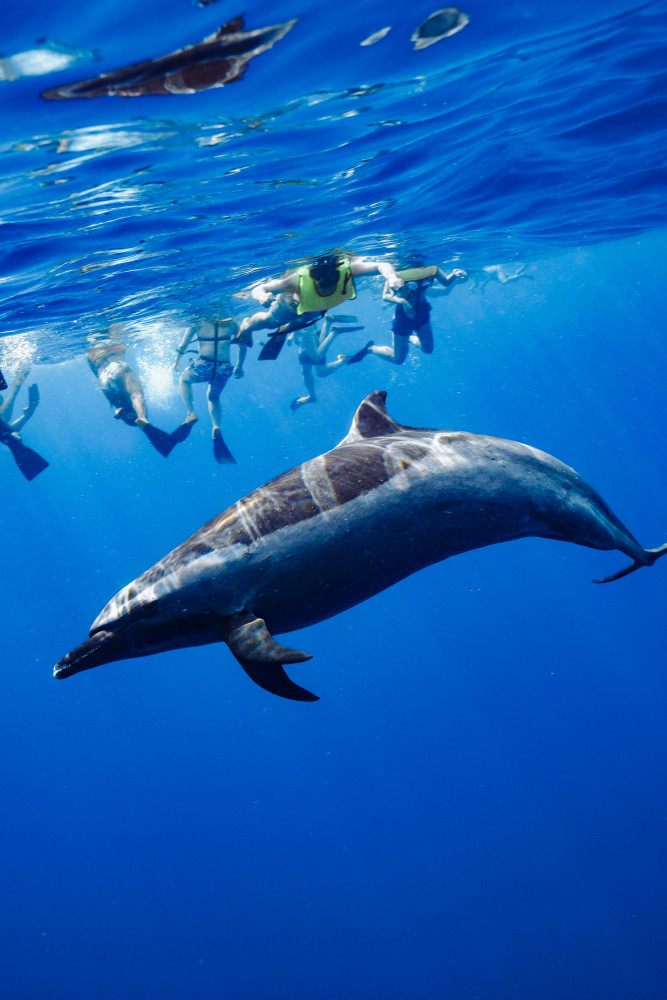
[(323, 537), (218, 60)]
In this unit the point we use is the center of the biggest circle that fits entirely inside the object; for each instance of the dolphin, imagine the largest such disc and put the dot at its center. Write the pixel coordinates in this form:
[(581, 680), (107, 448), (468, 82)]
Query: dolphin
[(332, 532), (218, 60)]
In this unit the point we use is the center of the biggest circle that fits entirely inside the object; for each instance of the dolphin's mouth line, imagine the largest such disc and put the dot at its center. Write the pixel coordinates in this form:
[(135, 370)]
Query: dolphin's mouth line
[(69, 664)]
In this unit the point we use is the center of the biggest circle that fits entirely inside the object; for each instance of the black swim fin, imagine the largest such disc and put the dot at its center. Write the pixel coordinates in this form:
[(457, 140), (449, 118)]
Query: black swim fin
[(33, 395), (272, 347), (360, 355), (180, 434), (3, 383), (221, 452), (160, 440), (28, 461)]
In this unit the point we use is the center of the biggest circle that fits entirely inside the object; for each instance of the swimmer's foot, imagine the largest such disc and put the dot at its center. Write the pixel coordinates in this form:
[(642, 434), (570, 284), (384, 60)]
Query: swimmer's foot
[(300, 401), (191, 418), (33, 398), (360, 355), (141, 422), (118, 412), (414, 340)]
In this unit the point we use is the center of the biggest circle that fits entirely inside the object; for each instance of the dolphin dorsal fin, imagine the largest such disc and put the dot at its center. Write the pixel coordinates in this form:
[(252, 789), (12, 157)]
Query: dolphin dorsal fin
[(371, 420), (230, 28)]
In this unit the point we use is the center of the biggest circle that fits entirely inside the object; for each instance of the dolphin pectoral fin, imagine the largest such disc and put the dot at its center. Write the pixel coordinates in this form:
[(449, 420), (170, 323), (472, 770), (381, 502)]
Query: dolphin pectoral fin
[(262, 658), (273, 678), (252, 641), (651, 556)]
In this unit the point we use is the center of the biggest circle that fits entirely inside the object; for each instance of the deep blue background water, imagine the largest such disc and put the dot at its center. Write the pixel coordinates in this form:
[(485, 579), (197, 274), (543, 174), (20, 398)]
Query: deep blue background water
[(476, 807)]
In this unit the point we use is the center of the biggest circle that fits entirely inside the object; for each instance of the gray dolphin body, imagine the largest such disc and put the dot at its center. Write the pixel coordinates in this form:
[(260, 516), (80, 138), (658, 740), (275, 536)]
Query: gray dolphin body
[(386, 502)]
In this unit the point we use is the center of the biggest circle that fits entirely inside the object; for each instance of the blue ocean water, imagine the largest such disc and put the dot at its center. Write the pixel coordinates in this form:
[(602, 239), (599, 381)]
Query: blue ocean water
[(476, 806)]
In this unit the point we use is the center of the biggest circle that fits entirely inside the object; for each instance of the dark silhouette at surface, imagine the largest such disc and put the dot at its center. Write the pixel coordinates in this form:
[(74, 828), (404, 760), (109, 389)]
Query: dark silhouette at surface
[(218, 60)]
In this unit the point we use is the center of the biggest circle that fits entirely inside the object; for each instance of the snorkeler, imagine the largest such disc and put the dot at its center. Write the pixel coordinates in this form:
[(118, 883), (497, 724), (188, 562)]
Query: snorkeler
[(312, 354), (313, 288), (497, 272), (412, 323), (122, 389), (213, 365), (27, 460)]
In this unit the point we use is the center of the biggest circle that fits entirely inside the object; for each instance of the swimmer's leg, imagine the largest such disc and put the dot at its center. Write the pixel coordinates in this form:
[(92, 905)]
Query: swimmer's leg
[(258, 321), (331, 366), (132, 386), (7, 406), (423, 338), (185, 385), (213, 400), (309, 382), (397, 353)]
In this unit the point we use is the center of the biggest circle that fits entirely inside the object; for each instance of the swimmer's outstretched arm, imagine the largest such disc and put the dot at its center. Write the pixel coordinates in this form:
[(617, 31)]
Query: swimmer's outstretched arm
[(449, 279), (362, 265)]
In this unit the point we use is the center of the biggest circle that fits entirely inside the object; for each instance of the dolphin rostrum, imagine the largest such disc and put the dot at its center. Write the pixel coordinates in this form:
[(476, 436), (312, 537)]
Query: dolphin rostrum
[(384, 503)]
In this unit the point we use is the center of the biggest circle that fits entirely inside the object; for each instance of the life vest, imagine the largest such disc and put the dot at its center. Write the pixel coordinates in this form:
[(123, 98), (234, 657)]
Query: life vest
[(418, 273), (310, 300)]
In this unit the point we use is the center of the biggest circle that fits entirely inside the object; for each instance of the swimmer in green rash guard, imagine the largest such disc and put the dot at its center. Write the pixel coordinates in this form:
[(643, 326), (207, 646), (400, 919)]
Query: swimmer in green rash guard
[(312, 288), (412, 323), (213, 365)]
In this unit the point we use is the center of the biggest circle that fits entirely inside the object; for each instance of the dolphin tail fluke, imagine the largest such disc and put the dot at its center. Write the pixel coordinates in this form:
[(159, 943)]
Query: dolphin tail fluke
[(262, 658), (91, 653), (651, 556)]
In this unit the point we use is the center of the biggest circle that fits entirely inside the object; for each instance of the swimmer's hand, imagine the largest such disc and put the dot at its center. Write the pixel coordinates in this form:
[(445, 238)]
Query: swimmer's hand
[(458, 273), (260, 294)]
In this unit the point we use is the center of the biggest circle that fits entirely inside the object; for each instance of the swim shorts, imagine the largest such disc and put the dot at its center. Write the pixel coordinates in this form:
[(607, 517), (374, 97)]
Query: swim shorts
[(217, 373), (305, 359), (403, 325), (111, 373)]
